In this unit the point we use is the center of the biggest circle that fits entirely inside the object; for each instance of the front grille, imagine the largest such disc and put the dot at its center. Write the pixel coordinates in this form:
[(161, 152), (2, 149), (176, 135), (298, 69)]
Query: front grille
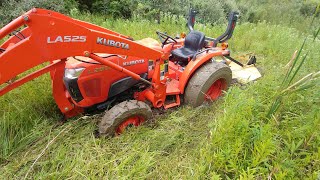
[(92, 87)]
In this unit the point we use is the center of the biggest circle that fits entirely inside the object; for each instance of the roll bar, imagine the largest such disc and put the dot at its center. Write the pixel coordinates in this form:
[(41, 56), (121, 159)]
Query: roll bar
[(232, 20), (191, 19)]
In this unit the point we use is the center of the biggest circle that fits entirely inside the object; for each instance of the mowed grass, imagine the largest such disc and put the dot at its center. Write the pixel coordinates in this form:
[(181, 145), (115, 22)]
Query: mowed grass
[(232, 138)]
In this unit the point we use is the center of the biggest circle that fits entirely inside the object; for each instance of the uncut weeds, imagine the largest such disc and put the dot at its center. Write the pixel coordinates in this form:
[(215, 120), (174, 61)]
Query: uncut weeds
[(233, 138)]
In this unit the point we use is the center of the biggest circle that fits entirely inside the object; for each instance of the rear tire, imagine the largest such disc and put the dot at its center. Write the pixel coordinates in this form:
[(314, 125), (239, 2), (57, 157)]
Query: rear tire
[(207, 83), (123, 115)]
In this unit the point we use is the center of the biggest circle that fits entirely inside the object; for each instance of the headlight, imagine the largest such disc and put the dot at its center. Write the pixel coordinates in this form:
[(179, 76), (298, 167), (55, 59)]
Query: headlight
[(73, 73)]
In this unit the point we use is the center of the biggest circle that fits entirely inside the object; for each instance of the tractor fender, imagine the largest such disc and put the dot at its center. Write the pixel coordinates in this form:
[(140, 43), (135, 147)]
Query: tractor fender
[(193, 65)]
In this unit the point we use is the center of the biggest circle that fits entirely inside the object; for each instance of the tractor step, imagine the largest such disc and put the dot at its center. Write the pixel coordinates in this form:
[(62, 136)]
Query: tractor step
[(173, 87), (173, 94), (172, 101)]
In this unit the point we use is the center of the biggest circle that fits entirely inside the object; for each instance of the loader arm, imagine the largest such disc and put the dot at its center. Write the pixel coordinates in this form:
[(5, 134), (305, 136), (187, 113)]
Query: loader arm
[(47, 36), (50, 36)]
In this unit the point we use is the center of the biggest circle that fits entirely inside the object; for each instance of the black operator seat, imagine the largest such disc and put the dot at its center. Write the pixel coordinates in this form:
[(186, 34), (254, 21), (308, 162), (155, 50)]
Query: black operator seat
[(194, 41)]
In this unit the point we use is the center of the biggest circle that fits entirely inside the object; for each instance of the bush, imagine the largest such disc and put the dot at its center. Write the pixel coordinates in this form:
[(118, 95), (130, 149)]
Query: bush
[(11, 9), (114, 8), (85, 5), (145, 11), (210, 11), (309, 8)]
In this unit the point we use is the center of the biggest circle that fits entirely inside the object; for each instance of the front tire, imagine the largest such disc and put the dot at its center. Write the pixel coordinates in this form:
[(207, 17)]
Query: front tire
[(123, 115), (208, 83)]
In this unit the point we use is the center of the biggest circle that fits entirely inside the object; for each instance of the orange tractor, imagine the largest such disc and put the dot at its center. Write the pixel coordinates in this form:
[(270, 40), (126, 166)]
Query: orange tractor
[(93, 68)]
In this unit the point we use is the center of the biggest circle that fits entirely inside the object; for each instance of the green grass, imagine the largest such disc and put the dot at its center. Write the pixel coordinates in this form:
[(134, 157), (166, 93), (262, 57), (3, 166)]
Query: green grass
[(233, 138)]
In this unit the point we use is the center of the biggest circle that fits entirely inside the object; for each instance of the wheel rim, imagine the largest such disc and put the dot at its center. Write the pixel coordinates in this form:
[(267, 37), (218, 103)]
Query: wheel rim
[(131, 121), (215, 90)]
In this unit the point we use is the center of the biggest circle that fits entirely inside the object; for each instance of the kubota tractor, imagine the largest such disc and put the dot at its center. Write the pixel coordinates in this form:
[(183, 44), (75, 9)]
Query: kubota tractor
[(93, 68)]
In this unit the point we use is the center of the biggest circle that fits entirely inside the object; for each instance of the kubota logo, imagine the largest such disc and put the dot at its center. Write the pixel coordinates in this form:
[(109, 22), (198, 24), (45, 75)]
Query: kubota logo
[(66, 39), (109, 42), (134, 62)]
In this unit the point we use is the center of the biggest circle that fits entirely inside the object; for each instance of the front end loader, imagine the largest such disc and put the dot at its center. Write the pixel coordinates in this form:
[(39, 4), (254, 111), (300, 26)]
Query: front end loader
[(93, 68)]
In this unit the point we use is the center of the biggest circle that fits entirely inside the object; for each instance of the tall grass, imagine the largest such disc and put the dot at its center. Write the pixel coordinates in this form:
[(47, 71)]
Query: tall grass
[(294, 66), (233, 138)]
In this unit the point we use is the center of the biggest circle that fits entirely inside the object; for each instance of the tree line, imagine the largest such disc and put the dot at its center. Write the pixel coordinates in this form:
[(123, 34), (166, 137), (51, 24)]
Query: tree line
[(212, 11)]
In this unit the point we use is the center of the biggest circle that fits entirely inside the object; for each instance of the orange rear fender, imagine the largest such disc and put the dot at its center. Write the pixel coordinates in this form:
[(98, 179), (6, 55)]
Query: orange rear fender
[(193, 65)]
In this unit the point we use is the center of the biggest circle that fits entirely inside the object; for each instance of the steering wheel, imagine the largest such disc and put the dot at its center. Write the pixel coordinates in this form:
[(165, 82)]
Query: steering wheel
[(165, 38)]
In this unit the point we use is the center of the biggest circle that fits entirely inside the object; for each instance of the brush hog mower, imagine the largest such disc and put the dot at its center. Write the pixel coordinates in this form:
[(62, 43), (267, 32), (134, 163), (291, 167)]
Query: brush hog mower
[(93, 68)]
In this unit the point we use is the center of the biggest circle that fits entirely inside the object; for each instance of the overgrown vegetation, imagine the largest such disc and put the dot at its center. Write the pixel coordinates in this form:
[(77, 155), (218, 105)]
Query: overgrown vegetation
[(292, 13), (234, 138)]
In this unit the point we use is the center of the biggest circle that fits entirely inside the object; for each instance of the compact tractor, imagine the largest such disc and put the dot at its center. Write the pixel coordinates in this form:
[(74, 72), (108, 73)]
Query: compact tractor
[(93, 68)]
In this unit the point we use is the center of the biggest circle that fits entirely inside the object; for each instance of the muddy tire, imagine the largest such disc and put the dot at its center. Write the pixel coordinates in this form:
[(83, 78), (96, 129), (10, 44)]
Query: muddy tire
[(207, 83), (123, 115)]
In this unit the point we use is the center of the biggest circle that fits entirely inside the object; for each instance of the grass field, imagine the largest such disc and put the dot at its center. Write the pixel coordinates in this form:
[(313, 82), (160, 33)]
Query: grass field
[(233, 138)]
